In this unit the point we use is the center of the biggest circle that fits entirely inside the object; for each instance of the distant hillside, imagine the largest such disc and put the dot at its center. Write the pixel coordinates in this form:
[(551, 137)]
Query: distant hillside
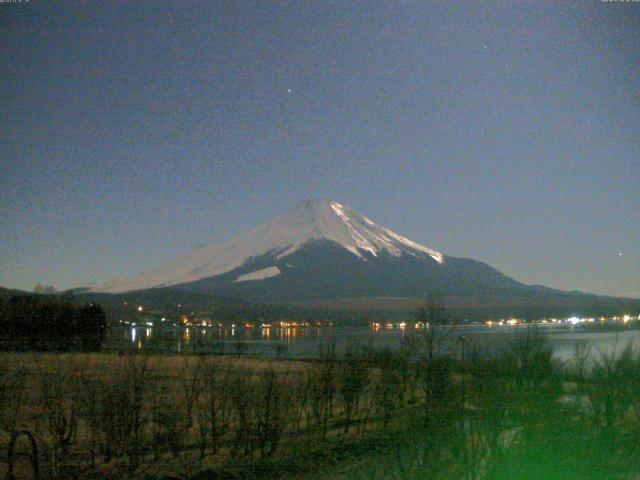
[(6, 293)]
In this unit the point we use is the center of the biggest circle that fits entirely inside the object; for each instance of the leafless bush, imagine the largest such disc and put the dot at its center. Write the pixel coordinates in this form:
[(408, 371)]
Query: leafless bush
[(613, 389), (191, 382), (272, 411), (389, 383), (480, 431), (57, 418), (299, 399), (167, 419), (352, 380), (214, 405), (12, 381), (322, 389), (11, 454), (580, 366), (260, 408), (89, 397), (243, 392), (119, 408)]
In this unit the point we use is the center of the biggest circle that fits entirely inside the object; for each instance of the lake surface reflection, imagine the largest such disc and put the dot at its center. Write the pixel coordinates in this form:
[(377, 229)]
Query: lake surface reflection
[(307, 342)]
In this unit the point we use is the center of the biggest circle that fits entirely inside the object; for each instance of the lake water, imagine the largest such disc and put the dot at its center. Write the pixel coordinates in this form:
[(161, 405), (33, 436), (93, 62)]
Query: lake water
[(307, 342)]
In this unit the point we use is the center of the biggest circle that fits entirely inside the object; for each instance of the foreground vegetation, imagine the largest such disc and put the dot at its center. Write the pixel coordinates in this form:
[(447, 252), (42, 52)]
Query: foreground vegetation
[(406, 414)]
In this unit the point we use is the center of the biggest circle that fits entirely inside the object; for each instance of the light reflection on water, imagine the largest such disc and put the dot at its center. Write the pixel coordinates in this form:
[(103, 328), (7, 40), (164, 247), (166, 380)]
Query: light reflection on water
[(298, 342)]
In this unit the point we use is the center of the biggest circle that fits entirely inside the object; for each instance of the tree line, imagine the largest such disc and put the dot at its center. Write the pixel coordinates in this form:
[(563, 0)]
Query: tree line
[(50, 322)]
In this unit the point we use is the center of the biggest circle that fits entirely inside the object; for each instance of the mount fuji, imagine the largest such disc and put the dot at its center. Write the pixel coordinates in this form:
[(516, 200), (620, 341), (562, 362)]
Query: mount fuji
[(323, 253), (312, 222)]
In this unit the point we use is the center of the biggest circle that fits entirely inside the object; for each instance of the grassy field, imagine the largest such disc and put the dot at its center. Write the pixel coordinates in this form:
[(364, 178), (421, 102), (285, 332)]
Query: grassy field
[(405, 414)]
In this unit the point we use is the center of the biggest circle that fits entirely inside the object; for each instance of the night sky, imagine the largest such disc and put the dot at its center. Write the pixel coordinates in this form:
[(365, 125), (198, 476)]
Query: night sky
[(133, 131)]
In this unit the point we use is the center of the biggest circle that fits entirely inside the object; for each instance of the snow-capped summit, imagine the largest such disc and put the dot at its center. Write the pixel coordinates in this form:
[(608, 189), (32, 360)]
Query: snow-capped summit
[(327, 220), (315, 220)]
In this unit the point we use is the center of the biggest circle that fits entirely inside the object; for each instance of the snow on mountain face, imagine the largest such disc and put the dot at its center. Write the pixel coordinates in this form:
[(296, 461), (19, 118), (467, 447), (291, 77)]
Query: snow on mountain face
[(311, 220), (258, 274)]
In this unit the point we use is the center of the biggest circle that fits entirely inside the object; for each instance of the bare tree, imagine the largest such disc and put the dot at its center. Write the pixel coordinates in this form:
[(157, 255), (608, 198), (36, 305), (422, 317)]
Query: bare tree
[(214, 405), (352, 379)]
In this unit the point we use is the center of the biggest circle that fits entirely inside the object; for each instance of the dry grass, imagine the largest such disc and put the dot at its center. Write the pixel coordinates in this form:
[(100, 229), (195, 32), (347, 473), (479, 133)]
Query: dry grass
[(363, 415)]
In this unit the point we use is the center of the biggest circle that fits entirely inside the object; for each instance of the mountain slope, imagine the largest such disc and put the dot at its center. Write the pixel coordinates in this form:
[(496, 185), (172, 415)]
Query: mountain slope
[(323, 269), (323, 253)]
